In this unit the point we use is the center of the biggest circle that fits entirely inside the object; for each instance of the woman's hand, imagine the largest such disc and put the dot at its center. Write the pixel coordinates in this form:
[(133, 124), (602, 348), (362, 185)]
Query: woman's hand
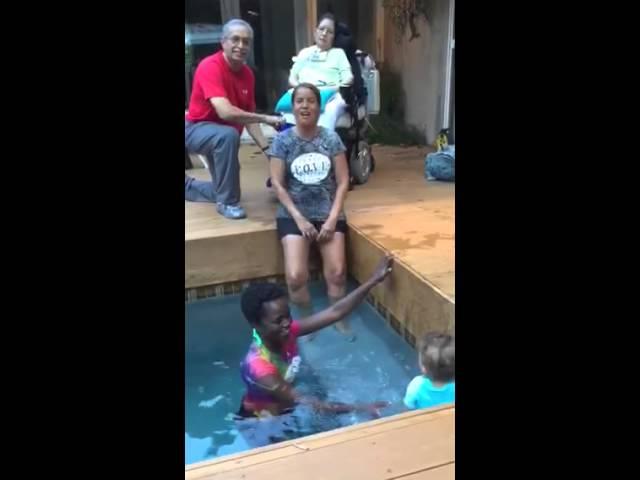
[(373, 409), (383, 269), (306, 227), (327, 230)]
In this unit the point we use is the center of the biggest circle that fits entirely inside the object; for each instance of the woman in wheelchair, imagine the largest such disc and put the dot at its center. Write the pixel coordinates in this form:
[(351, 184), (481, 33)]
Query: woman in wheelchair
[(325, 67), (310, 175)]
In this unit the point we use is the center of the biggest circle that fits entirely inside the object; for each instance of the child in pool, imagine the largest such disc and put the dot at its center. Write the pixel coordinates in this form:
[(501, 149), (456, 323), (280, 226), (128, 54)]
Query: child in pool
[(437, 384)]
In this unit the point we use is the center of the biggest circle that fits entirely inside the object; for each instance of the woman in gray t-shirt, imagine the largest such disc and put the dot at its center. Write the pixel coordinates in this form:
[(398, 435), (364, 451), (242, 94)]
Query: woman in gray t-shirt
[(310, 175)]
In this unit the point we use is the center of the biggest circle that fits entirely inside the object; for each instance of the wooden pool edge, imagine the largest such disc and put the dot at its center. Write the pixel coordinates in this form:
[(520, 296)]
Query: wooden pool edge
[(408, 300), (263, 456)]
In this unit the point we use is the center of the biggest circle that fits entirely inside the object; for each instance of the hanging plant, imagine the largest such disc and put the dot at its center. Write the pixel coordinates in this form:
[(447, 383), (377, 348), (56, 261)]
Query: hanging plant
[(404, 13)]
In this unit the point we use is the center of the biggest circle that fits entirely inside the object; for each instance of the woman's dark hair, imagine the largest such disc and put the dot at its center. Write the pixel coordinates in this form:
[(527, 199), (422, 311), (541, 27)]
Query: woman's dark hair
[(310, 86), (438, 357), (255, 296), (327, 16)]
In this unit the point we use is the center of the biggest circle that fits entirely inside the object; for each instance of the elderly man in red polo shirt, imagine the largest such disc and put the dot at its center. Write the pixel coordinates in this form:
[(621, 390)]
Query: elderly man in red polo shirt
[(222, 103)]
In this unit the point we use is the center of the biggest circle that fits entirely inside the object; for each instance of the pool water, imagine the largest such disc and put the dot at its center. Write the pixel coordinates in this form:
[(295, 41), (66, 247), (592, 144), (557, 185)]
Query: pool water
[(377, 366)]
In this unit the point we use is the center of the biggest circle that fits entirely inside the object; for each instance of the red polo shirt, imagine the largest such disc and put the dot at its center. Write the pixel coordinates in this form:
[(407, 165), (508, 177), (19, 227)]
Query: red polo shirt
[(214, 78)]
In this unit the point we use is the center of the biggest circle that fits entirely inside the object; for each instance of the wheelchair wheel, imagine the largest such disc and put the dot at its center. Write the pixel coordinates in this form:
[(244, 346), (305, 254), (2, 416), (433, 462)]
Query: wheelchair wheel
[(360, 163)]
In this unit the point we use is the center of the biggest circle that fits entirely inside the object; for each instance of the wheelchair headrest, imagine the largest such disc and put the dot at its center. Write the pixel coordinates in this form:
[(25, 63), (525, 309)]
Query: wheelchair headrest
[(285, 103)]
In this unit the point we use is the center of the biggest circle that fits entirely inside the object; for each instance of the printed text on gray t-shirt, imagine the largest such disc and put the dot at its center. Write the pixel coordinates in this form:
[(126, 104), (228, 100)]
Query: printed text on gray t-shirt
[(309, 171)]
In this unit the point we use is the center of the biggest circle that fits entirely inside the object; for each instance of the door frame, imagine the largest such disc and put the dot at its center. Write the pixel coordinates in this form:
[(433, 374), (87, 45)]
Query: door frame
[(448, 110)]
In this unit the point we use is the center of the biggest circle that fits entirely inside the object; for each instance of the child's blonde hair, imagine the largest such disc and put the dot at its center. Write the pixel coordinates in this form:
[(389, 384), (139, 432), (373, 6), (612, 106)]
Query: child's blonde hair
[(438, 356)]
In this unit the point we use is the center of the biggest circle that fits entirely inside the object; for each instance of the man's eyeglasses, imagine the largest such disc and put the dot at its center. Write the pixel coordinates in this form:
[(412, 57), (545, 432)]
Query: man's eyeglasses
[(235, 40)]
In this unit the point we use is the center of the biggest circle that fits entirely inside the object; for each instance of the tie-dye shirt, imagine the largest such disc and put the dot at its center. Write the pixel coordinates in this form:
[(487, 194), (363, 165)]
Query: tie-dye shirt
[(261, 362)]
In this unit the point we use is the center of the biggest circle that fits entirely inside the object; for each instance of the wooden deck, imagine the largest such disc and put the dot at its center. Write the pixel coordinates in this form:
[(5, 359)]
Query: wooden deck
[(418, 445), (397, 211)]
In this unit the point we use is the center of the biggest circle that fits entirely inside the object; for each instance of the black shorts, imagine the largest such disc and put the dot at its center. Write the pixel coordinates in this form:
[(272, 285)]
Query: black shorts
[(287, 226)]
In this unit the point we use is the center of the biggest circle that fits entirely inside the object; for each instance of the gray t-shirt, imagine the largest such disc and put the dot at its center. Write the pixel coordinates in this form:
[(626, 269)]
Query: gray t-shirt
[(309, 171)]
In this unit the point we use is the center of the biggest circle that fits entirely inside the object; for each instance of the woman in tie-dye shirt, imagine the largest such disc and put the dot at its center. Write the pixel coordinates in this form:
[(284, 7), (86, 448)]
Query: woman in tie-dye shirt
[(269, 367)]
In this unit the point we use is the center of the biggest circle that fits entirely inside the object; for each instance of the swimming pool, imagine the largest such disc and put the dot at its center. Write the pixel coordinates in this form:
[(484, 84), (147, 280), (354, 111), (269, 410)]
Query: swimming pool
[(377, 366)]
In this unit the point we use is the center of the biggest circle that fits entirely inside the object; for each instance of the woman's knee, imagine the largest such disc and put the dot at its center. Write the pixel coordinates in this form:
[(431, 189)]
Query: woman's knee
[(297, 278), (336, 275)]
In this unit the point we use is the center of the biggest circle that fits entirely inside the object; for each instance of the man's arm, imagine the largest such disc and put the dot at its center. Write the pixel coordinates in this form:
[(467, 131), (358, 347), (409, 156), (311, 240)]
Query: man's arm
[(230, 113), (256, 133), (344, 307)]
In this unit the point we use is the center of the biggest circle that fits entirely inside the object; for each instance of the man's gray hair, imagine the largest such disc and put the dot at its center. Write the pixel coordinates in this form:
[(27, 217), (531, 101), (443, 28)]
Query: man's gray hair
[(235, 22)]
